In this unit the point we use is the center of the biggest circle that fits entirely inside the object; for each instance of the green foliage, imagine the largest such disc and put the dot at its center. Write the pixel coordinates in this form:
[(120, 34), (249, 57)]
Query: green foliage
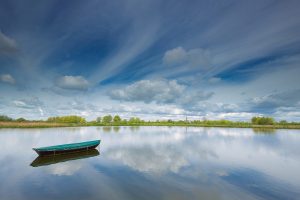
[(107, 119), (254, 120), (21, 119), (263, 120), (99, 119), (67, 119), (170, 121), (134, 120), (283, 122), (4, 118), (117, 119)]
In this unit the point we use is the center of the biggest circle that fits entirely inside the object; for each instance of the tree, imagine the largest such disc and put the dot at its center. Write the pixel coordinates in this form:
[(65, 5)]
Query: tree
[(4, 118), (134, 120), (117, 119), (98, 120), (82, 120), (263, 120), (283, 122), (21, 119), (67, 119), (254, 120), (107, 119)]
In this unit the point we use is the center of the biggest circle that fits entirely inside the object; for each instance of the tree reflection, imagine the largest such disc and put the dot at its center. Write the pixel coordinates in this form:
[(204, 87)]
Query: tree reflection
[(264, 130)]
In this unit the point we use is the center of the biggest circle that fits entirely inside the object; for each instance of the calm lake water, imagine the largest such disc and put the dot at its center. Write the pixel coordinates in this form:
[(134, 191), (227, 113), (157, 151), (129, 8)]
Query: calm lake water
[(152, 163)]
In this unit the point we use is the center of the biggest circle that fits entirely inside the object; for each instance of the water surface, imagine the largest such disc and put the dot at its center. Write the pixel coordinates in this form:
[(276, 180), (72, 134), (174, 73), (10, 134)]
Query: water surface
[(153, 163)]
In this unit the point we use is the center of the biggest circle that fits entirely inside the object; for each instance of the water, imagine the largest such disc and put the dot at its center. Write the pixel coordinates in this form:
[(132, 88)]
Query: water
[(153, 163)]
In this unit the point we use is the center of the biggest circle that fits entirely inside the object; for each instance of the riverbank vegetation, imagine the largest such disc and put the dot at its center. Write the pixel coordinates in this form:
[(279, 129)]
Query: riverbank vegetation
[(109, 120)]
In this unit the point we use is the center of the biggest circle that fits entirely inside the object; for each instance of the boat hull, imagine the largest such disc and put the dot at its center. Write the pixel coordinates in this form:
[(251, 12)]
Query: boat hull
[(62, 149), (54, 159)]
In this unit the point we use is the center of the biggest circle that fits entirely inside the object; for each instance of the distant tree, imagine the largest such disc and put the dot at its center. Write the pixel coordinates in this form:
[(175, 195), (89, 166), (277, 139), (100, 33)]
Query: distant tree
[(98, 120), (254, 120), (283, 122), (134, 120), (82, 120), (21, 119), (117, 119), (67, 119), (4, 118), (263, 120), (107, 119), (131, 120)]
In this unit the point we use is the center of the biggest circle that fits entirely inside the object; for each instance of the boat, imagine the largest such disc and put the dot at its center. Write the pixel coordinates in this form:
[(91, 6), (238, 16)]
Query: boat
[(67, 148), (54, 159)]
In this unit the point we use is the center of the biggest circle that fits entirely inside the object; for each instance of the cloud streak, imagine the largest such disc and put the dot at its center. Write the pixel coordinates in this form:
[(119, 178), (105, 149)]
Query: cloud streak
[(7, 45)]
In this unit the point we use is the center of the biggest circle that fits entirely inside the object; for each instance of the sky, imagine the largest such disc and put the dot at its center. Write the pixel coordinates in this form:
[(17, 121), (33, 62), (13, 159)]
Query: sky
[(154, 59)]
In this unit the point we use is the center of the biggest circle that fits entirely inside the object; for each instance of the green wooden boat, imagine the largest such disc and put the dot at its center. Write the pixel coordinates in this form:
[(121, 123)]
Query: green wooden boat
[(54, 159), (67, 148)]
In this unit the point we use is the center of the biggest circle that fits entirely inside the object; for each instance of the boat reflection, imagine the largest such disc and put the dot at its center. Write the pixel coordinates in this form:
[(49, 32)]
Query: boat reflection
[(49, 160)]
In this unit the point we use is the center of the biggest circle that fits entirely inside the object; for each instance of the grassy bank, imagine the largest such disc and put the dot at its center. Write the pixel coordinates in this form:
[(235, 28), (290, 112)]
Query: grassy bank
[(15, 124), (34, 125), (108, 120)]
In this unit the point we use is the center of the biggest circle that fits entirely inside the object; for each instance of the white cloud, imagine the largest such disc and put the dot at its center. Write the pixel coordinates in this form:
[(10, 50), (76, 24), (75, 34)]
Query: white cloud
[(19, 104), (194, 97), (193, 58), (31, 103), (41, 111), (159, 91), (270, 103), (160, 159), (167, 97), (175, 56), (7, 78), (64, 169), (144, 110), (7, 45), (72, 83)]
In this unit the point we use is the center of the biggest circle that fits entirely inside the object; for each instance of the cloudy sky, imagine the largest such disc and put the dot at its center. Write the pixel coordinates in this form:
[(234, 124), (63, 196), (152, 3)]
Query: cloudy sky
[(155, 59)]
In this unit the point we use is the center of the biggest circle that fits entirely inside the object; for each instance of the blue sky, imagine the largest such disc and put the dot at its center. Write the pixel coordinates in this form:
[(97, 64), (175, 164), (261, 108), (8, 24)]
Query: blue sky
[(153, 59)]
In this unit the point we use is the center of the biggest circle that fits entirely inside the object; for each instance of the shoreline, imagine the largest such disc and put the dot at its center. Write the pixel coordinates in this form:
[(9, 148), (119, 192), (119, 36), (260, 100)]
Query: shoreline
[(57, 125)]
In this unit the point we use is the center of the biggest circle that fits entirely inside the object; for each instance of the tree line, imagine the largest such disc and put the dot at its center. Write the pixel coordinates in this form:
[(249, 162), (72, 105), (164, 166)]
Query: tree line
[(117, 120), (4, 118), (109, 119), (67, 119)]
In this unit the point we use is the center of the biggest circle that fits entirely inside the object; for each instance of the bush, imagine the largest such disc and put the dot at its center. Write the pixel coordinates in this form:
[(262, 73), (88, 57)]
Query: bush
[(263, 120)]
